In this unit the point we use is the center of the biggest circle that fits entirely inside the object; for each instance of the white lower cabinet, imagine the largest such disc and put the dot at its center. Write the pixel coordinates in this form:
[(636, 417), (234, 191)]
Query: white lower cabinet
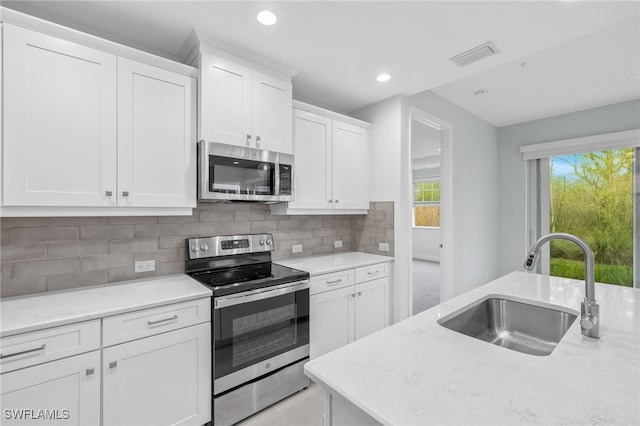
[(159, 380), (66, 391), (347, 305), (145, 367)]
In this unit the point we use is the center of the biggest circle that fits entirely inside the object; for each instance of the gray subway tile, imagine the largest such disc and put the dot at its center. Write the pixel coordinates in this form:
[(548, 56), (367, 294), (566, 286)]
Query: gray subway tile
[(77, 279), (22, 286), (106, 232), (76, 221), (258, 226), (5, 271), (77, 248), (22, 222), (131, 220), (165, 268), (133, 245), (23, 251), (43, 234), (127, 273), (217, 216), (173, 241), (44, 267), (249, 215), (106, 261), (286, 224), (232, 228), (162, 229), (160, 256)]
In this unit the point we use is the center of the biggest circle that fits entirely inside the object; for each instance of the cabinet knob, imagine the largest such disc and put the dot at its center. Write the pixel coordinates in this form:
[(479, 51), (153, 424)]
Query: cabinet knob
[(108, 193), (337, 201), (248, 140), (113, 364), (359, 293), (90, 371), (125, 193), (353, 295), (331, 201)]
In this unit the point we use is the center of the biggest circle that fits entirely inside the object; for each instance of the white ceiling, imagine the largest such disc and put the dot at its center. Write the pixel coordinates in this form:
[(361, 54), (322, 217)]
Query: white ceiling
[(339, 47)]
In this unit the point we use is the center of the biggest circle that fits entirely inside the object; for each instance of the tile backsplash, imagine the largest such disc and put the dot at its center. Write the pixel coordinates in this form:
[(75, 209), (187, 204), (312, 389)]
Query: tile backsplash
[(54, 253)]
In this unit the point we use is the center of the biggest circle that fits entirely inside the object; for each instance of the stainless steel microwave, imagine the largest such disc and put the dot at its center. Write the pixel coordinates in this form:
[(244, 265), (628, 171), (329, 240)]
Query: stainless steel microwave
[(237, 173)]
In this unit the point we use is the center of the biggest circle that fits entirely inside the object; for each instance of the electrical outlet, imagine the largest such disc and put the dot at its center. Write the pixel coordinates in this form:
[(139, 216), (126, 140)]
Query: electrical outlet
[(337, 244), (145, 266), (296, 248), (383, 246)]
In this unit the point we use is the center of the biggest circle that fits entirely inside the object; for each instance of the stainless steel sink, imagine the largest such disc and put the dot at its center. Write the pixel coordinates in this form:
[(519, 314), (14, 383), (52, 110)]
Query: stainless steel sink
[(512, 323)]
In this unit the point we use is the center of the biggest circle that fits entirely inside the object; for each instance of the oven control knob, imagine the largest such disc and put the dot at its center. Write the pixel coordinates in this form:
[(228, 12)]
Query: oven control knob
[(269, 242), (261, 242), (194, 248), (204, 247)]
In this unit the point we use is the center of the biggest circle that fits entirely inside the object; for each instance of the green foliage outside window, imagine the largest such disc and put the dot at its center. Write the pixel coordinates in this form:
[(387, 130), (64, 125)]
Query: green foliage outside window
[(426, 199), (592, 197)]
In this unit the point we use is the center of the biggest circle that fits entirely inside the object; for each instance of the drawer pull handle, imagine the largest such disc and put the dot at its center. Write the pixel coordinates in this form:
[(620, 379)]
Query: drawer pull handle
[(113, 364), (376, 272), (339, 280), (353, 295), (150, 323), (41, 348), (90, 371)]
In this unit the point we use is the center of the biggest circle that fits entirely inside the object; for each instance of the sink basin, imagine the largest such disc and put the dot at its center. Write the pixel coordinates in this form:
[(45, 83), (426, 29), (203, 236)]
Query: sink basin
[(512, 323)]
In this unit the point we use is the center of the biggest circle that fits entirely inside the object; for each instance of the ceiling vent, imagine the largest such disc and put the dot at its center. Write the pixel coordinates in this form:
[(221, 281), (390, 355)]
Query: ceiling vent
[(472, 55)]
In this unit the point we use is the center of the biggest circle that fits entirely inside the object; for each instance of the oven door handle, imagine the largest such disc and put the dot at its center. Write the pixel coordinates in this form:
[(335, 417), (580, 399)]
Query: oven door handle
[(259, 294)]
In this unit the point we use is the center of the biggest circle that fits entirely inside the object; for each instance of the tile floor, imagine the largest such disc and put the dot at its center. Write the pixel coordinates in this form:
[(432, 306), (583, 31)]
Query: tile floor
[(304, 408), (426, 285)]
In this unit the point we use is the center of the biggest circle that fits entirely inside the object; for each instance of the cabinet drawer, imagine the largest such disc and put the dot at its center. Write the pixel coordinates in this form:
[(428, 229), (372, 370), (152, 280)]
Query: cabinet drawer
[(332, 281), (372, 272), (148, 322), (27, 349)]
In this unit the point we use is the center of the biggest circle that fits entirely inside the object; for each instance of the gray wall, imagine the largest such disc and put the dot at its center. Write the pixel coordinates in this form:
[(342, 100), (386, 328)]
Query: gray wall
[(46, 254), (475, 192), (512, 169)]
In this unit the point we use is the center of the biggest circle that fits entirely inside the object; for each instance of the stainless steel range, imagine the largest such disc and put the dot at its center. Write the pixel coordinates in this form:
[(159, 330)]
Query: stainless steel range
[(260, 323)]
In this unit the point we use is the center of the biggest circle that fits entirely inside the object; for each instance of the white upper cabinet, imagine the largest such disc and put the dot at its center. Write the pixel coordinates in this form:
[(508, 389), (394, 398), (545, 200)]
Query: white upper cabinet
[(242, 106), (312, 157), (156, 137), (88, 132), (331, 163), (59, 122), (350, 167)]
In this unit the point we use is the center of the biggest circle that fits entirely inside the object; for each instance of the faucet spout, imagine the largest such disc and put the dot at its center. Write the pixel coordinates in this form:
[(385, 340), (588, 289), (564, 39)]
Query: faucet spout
[(590, 309)]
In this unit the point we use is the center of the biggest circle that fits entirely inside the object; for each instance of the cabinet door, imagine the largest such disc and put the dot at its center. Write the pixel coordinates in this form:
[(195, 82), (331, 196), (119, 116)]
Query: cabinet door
[(312, 161), (271, 114), (160, 380), (350, 167), (370, 307), (59, 122), (156, 137), (65, 392), (225, 101), (330, 320)]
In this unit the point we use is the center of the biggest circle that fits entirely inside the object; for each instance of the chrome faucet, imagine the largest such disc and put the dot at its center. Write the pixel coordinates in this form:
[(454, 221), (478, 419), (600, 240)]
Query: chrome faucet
[(589, 308)]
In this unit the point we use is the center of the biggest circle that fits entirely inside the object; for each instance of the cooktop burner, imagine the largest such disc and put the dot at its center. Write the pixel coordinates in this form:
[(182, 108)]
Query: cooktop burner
[(233, 264)]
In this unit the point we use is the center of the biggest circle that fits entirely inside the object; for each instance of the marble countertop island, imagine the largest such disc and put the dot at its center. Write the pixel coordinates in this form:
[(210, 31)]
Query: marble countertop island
[(417, 372)]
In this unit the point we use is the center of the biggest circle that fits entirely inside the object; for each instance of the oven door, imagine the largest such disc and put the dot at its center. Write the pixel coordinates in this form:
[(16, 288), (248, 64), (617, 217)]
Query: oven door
[(259, 331)]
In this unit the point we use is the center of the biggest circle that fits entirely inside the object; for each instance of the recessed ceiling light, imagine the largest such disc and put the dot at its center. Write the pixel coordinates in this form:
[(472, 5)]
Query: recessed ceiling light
[(480, 93), (267, 17), (383, 77)]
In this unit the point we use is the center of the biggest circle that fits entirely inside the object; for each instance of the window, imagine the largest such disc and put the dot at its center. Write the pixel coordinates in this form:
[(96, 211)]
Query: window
[(426, 203)]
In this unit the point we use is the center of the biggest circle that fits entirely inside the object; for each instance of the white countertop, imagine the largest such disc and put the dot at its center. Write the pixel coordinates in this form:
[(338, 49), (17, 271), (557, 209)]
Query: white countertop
[(417, 372), (21, 314), (333, 262)]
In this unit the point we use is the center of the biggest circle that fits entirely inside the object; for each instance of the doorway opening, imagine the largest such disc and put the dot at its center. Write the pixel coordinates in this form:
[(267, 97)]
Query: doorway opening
[(429, 209)]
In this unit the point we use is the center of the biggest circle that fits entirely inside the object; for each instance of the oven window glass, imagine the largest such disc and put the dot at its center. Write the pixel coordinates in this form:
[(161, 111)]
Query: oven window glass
[(255, 331), (238, 176)]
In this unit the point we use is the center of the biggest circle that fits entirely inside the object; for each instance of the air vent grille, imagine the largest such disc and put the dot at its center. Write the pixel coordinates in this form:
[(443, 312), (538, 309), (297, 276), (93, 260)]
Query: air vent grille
[(472, 55)]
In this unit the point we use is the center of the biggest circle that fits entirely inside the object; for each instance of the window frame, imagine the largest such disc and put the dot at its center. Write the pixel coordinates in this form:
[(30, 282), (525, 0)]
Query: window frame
[(425, 203)]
